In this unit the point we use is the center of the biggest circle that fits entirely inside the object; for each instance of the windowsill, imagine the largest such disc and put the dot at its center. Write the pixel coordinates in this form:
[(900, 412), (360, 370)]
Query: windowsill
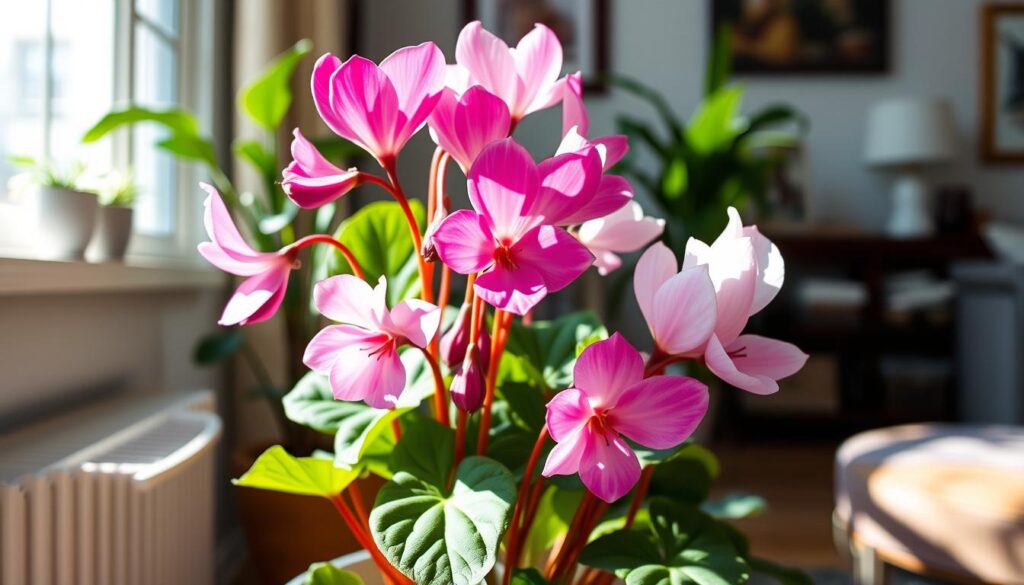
[(25, 276)]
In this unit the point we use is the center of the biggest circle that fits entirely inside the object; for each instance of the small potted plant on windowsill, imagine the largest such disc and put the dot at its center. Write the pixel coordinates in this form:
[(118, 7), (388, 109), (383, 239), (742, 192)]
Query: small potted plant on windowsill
[(65, 214), (117, 192)]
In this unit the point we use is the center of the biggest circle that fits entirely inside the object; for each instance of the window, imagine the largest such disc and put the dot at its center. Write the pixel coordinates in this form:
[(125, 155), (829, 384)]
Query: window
[(65, 63)]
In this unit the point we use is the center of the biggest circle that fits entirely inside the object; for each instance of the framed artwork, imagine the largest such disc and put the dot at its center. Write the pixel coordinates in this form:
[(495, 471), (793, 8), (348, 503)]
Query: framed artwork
[(1002, 83), (581, 26), (833, 37)]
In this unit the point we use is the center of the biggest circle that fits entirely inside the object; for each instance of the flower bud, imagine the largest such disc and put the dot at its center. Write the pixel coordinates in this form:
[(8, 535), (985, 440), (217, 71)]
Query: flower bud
[(455, 340), (467, 387), (427, 248)]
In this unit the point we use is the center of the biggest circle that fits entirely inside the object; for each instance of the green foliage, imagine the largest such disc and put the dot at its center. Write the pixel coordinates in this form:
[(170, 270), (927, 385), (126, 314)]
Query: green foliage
[(686, 476), (681, 545), (267, 99), (45, 174), (183, 139), (328, 574), (276, 470), (528, 577), (735, 506), (217, 346), (547, 349), (378, 236)]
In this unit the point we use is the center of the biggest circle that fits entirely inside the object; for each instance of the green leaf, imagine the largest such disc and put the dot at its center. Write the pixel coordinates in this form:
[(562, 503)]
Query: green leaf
[(378, 236), (325, 217), (176, 120), (271, 224), (550, 346), (218, 346), (554, 514), (266, 100), (440, 538), (328, 574), (278, 471), (783, 575), (682, 545), (257, 155), (735, 506), (311, 403), (686, 476), (714, 124), (528, 577), (674, 181), (190, 146), (426, 451), (720, 61), (526, 405)]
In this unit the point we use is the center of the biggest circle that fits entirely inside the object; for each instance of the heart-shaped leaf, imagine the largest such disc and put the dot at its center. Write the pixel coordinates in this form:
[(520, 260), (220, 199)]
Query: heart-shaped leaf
[(426, 451), (440, 538), (686, 476), (278, 471), (328, 574)]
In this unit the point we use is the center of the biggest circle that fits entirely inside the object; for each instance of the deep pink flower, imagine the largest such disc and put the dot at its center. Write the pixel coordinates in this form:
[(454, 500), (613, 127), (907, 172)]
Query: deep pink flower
[(455, 341), (679, 306), (259, 295), (610, 401), (526, 77), (747, 271), (613, 192), (467, 388), (310, 180), (510, 236), (625, 230), (360, 356), (574, 113), (463, 126), (379, 108)]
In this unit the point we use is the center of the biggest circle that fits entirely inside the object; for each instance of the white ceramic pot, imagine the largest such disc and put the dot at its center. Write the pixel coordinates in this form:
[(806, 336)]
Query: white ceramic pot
[(112, 233), (65, 221), (358, 562)]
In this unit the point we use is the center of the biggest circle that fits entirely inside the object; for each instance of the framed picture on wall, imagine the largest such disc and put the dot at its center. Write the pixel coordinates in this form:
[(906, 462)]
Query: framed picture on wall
[(1002, 83), (581, 26), (805, 36)]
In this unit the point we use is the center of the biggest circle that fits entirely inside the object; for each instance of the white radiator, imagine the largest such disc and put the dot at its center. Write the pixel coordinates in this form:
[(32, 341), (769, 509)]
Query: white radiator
[(120, 493)]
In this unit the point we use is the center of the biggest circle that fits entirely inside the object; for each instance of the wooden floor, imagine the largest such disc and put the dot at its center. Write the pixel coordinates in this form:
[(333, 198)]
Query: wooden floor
[(796, 481)]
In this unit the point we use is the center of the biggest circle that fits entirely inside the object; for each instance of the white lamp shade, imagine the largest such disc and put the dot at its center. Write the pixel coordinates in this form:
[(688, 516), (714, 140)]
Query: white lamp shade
[(909, 131)]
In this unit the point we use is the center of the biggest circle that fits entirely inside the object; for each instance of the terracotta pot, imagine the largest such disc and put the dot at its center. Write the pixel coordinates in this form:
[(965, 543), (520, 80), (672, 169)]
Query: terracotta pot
[(65, 220), (112, 233), (285, 533)]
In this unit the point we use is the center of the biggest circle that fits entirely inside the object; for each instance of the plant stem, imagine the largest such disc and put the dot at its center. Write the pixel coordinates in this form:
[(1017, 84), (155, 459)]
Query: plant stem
[(502, 320), (395, 188), (659, 361), (325, 239), (396, 429), (461, 420), (366, 542), (357, 504), (566, 568), (555, 563), (440, 393), (512, 548)]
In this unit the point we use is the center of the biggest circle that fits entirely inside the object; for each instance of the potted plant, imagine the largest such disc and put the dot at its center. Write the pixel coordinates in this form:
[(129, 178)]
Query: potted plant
[(65, 214), (117, 192), (512, 450)]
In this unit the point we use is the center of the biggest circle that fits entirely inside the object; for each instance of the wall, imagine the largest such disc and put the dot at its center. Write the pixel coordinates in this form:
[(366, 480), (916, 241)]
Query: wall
[(663, 43)]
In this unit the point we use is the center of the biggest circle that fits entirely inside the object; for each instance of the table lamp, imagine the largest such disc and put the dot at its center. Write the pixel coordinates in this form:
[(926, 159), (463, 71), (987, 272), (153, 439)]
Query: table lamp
[(906, 135)]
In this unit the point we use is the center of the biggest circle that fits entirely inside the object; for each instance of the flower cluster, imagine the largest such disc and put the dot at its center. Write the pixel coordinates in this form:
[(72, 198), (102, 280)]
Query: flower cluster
[(532, 229)]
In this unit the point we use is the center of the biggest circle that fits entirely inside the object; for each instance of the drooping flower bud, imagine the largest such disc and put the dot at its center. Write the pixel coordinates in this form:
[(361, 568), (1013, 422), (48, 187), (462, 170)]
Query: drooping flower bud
[(427, 248), (467, 387), (456, 339)]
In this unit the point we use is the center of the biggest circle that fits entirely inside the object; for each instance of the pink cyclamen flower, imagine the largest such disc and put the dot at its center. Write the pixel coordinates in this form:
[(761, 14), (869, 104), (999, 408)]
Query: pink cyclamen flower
[(510, 237), (613, 192), (526, 77), (574, 112), (625, 230), (464, 125), (379, 108), (610, 400), (310, 180), (678, 305), (259, 295), (747, 271), (360, 356)]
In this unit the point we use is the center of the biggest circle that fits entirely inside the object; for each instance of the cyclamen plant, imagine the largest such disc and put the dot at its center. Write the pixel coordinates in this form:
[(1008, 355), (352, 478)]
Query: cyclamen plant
[(487, 468)]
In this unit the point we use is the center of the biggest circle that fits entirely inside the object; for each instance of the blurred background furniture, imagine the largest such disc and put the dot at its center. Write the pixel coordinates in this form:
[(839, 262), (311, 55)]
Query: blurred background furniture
[(942, 501)]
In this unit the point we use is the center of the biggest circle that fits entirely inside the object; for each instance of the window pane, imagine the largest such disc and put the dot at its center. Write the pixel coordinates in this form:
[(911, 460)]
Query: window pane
[(163, 13), (22, 70), (156, 86), (82, 80)]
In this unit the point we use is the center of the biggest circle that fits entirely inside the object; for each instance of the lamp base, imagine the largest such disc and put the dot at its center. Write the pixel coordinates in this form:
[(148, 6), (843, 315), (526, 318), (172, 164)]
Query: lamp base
[(910, 217)]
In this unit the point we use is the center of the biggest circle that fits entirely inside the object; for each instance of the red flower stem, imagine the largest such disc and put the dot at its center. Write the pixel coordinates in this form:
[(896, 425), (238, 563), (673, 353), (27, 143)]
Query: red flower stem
[(432, 183), (357, 504), (554, 564), (502, 320), (531, 512), (325, 239), (512, 547), (658, 362), (366, 542), (394, 187), (568, 566), (440, 392), (442, 295), (461, 420), (396, 429)]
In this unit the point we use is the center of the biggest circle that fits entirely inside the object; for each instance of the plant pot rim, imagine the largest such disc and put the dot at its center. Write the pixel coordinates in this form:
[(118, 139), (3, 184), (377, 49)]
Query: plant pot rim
[(342, 562)]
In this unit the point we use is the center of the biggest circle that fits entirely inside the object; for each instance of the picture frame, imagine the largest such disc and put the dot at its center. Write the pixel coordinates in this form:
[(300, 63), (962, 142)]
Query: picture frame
[(1002, 83), (812, 37), (581, 26)]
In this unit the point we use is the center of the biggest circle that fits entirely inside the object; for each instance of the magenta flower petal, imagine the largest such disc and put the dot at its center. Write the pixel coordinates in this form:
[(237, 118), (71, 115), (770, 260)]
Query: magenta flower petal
[(415, 320), (489, 62), (606, 369), (568, 183), (608, 467), (216, 255), (574, 112), (322, 350), (467, 387), (684, 312), (655, 267), (503, 184), (538, 62), (564, 458), (417, 74), (348, 299), (541, 245), (516, 291), (310, 180), (464, 126), (320, 84), (660, 412), (464, 242), (613, 193), (365, 102), (257, 298), (613, 148), (373, 375), (222, 231), (568, 412)]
